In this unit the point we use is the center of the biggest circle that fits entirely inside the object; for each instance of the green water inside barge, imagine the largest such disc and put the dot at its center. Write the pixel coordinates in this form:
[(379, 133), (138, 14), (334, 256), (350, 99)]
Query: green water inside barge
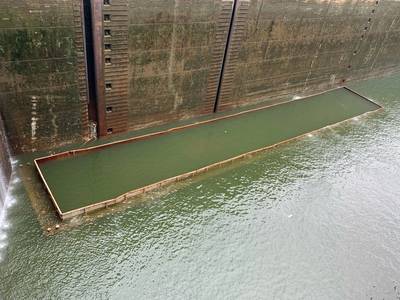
[(105, 174)]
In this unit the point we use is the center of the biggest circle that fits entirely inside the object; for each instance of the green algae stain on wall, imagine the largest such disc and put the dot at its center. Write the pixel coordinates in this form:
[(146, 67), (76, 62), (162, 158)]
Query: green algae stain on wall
[(175, 55), (42, 92)]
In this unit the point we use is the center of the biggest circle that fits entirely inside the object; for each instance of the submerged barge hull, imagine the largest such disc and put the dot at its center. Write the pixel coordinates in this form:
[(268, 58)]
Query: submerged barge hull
[(84, 180)]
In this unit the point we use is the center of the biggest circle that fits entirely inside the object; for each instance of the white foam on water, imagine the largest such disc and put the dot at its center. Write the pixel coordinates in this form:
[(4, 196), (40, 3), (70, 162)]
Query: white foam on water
[(4, 180), (5, 223), (7, 202), (6, 186)]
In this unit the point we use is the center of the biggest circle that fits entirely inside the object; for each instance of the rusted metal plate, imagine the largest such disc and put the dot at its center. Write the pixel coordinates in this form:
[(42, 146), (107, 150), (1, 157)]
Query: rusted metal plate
[(115, 32), (98, 52)]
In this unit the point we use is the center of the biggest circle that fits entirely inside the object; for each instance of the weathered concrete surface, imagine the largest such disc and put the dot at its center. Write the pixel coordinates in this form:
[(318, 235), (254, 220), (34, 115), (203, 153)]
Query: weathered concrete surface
[(42, 78), (166, 59), (277, 49), (283, 48), (162, 59), (175, 53)]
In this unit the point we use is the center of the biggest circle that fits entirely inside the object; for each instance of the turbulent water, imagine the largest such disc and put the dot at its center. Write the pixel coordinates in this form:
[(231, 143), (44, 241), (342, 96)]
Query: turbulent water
[(315, 219), (5, 166), (5, 199)]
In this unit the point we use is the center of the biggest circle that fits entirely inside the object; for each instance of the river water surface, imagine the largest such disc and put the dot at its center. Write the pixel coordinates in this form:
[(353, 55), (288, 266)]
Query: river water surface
[(318, 218)]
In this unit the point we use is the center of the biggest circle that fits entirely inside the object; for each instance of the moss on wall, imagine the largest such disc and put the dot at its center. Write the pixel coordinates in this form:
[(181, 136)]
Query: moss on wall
[(42, 96)]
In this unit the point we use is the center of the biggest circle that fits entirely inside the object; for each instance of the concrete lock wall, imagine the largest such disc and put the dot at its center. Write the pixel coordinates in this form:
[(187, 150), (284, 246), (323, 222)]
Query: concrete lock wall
[(175, 53), (162, 59), (157, 61), (42, 78), (281, 48)]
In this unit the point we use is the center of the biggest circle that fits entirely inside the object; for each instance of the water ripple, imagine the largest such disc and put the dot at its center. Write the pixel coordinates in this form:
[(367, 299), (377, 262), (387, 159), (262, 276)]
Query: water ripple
[(318, 218)]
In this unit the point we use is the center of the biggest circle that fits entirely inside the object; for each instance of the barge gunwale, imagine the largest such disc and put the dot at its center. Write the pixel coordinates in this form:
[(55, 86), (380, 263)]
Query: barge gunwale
[(123, 197)]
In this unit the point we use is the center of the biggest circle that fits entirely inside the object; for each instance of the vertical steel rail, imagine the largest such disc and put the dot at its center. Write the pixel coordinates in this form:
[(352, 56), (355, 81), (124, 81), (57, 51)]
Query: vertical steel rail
[(228, 41)]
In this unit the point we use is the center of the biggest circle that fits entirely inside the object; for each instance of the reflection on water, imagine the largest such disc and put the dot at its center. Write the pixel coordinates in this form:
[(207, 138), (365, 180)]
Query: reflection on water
[(315, 219)]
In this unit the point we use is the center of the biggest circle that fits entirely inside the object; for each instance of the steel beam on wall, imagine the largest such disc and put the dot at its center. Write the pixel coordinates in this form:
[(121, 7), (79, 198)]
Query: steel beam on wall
[(97, 28), (225, 54), (113, 84), (116, 64), (110, 51), (234, 42), (222, 32)]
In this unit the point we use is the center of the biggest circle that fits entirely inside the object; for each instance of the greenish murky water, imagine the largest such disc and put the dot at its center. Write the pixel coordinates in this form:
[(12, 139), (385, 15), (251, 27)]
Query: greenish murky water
[(318, 218), (97, 176)]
